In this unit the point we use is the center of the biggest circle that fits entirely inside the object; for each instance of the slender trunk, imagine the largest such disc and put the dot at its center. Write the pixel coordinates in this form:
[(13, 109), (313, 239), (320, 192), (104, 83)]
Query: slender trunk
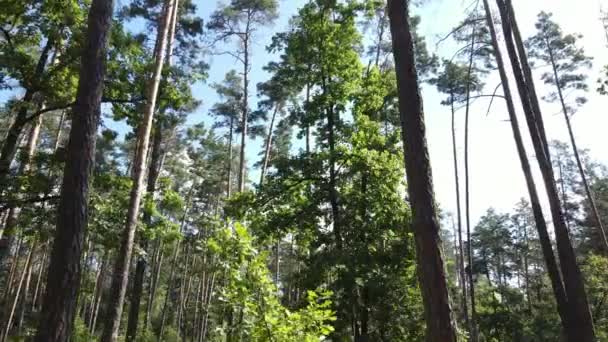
[(11, 313), (577, 157), (97, 291), (580, 325), (41, 269), (121, 268), (26, 290), (459, 218), (230, 137), (245, 109), (268, 145), (11, 274), (467, 193), (140, 267), (59, 131), (174, 264), (307, 132), (153, 284), (438, 313), (541, 225)]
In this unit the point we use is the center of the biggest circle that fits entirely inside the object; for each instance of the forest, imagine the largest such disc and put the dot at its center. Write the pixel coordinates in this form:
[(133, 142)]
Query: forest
[(265, 170)]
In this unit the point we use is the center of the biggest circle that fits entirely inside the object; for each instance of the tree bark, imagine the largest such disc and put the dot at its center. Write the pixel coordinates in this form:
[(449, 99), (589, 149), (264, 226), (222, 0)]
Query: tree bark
[(433, 285), (121, 268), (63, 283), (580, 322)]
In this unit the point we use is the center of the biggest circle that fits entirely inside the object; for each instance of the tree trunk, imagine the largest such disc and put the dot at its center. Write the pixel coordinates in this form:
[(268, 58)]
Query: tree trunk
[(580, 323), (174, 263), (459, 218), (230, 137), (467, 193), (433, 285), (577, 157), (26, 290), (268, 145), (11, 313), (153, 283), (140, 267), (121, 268), (245, 109), (41, 269), (63, 283)]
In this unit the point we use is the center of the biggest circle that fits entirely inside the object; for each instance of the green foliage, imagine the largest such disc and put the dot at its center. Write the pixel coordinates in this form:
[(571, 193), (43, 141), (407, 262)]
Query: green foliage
[(250, 295), (562, 53)]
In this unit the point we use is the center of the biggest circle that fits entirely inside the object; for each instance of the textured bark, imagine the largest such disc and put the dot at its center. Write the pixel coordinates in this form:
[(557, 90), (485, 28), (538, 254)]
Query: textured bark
[(121, 268), (230, 138), (63, 282), (579, 324), (433, 285)]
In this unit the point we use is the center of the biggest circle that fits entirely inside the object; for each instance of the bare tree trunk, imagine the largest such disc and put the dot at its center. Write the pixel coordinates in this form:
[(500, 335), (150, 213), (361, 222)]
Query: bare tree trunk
[(174, 262), (9, 320), (268, 146), (153, 284), (459, 218), (230, 137), (580, 322), (245, 109), (121, 268), (140, 268), (41, 269), (97, 292), (26, 290), (473, 321), (433, 285), (577, 157)]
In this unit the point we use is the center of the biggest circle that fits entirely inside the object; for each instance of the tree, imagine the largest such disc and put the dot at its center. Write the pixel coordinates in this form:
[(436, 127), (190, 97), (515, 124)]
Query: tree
[(59, 302), (241, 19), (420, 187), (566, 59), (457, 82), (541, 226), (123, 261), (579, 321)]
